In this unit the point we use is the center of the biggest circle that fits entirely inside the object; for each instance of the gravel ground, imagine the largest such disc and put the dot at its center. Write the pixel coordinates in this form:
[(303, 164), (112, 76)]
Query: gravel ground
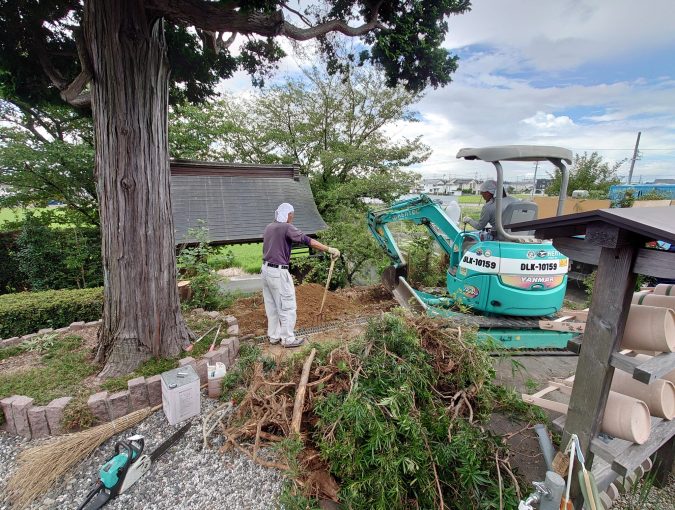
[(185, 477), (657, 499)]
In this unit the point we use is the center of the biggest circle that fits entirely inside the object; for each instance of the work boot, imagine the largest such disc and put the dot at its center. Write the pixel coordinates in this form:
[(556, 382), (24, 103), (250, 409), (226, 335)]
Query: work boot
[(274, 341), (292, 342)]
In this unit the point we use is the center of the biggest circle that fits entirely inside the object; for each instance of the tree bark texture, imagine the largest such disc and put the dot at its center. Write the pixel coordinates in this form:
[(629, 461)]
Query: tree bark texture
[(129, 90)]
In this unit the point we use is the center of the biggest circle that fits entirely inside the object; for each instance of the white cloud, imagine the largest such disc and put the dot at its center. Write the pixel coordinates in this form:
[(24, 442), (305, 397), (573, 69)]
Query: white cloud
[(548, 122)]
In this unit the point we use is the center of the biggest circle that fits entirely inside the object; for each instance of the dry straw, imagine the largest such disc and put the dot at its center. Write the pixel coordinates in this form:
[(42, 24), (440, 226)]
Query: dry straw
[(42, 466)]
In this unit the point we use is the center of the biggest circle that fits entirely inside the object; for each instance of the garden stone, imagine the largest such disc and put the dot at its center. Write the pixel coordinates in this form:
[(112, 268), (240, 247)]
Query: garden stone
[(119, 404), (54, 412), (235, 346), (92, 323), (6, 404), (61, 330), (74, 326), (189, 360), (233, 330), (8, 342), (231, 320), (202, 371), (98, 404), (37, 418), (20, 407), (28, 337), (211, 357), (45, 331), (213, 314), (138, 393), (154, 387), (223, 353)]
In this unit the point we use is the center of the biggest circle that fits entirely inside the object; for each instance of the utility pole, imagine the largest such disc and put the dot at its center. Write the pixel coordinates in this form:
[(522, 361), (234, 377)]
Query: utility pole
[(635, 155), (534, 183)]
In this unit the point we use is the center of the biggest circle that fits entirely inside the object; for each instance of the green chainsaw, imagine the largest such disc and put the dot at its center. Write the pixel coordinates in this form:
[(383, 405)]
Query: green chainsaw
[(125, 468)]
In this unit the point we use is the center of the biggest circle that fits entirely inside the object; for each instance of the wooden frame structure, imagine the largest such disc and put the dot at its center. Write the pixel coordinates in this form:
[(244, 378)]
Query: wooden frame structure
[(614, 240)]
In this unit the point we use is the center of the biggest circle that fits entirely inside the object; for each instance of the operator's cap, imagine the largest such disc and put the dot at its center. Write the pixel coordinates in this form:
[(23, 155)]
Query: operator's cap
[(488, 186)]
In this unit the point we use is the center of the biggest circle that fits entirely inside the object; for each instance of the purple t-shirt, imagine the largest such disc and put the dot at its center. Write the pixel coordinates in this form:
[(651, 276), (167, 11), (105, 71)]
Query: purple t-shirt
[(277, 241)]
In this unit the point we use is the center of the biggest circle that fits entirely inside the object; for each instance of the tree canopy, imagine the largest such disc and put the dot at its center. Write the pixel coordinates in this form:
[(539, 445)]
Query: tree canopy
[(43, 55), (588, 172)]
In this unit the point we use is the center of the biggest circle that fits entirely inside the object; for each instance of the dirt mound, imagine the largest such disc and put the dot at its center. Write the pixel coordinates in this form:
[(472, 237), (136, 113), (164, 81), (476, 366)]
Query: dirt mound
[(250, 312)]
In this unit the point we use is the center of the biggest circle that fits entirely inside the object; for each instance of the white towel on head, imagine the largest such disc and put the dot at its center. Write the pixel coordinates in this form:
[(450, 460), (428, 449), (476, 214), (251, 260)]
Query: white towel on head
[(282, 212)]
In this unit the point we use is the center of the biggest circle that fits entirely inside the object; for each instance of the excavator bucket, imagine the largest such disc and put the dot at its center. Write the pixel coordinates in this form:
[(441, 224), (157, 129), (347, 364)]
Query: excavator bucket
[(394, 279)]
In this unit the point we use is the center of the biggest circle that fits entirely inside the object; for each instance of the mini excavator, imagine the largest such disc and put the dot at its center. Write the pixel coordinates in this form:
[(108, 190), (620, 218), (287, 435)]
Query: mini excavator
[(506, 282)]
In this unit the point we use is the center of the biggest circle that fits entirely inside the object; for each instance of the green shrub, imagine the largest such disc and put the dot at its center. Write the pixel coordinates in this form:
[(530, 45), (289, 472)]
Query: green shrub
[(11, 279), (52, 256), (27, 312)]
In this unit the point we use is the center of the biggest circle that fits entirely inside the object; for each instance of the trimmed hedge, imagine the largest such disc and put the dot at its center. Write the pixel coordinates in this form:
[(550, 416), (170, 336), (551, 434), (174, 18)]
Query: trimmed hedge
[(27, 312)]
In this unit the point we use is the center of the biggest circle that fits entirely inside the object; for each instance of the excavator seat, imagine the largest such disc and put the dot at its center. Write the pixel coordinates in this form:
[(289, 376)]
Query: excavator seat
[(517, 212)]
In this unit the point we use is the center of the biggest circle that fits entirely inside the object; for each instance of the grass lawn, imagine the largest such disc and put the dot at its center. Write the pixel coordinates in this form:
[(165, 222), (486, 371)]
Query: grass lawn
[(246, 256), (7, 214)]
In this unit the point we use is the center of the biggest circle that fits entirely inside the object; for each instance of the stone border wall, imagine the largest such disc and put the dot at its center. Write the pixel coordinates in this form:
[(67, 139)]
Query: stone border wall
[(25, 419)]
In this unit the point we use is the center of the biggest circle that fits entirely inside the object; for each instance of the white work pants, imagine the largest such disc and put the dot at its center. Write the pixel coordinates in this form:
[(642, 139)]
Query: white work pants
[(280, 306)]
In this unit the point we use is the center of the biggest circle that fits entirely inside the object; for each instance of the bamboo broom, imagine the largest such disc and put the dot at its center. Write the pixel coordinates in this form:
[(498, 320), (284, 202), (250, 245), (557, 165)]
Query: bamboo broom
[(42, 466)]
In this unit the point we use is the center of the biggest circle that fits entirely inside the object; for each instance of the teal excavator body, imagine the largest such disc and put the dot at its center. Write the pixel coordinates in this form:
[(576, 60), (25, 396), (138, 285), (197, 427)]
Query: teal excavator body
[(506, 283)]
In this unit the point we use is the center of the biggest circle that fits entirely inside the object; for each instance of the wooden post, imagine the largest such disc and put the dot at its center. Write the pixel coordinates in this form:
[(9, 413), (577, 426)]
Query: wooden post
[(611, 299), (663, 463)]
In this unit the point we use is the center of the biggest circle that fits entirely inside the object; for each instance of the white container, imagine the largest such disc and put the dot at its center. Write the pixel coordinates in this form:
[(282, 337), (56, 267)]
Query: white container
[(180, 394)]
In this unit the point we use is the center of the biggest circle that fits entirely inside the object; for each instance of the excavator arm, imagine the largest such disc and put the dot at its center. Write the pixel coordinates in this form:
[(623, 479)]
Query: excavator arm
[(420, 210)]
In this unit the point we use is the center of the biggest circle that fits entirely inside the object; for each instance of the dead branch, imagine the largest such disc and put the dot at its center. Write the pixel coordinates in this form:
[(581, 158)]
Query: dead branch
[(499, 477), (300, 394)]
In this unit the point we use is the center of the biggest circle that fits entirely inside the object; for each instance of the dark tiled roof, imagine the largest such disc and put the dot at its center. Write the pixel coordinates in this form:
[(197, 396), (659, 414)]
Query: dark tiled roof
[(236, 208), (656, 223)]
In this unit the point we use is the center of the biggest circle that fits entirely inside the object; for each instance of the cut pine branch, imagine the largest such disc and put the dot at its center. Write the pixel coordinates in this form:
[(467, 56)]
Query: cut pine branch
[(300, 394)]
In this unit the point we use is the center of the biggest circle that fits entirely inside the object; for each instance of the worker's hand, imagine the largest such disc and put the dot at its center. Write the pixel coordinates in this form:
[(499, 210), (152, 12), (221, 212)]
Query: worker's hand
[(466, 219), (334, 252)]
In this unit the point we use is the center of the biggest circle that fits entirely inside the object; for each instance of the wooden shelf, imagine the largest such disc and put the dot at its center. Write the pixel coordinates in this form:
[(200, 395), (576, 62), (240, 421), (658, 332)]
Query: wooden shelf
[(633, 456), (643, 371)]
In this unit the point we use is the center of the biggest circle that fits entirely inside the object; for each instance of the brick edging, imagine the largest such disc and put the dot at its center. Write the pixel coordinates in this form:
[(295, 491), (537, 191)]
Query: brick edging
[(24, 419)]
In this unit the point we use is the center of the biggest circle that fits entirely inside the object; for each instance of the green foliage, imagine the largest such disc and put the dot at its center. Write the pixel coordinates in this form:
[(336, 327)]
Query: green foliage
[(11, 279), (58, 258), (27, 312), (628, 198), (391, 431), (65, 365), (239, 376), (587, 172), (153, 366), (51, 164), (192, 264), (425, 267)]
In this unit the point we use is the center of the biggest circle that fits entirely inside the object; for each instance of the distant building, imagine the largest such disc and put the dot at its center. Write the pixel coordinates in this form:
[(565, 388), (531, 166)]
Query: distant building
[(666, 190), (664, 181)]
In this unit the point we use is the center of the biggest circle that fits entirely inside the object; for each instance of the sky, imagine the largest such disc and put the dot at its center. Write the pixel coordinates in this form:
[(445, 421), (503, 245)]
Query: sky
[(582, 74)]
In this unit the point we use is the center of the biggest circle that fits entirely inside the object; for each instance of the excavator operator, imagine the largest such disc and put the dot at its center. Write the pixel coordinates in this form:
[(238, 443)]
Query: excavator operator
[(489, 212)]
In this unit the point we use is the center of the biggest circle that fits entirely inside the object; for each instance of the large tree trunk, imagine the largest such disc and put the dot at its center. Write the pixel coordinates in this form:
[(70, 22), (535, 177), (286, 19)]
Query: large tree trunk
[(141, 313)]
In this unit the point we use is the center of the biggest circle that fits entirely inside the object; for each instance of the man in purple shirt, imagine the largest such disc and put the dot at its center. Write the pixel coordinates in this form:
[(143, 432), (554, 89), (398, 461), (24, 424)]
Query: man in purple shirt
[(278, 289)]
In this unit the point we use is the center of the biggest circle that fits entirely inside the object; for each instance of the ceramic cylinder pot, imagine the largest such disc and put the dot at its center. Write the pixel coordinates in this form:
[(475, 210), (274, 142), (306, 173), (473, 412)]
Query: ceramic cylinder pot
[(639, 296), (626, 418), (659, 395), (665, 289), (649, 328), (670, 376), (651, 299)]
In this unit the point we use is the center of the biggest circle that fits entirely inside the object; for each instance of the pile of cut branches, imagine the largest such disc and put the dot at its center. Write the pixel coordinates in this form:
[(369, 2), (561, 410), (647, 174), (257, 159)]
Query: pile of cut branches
[(392, 420)]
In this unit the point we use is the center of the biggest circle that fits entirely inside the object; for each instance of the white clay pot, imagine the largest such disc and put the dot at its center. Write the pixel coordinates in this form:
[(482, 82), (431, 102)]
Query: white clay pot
[(670, 376), (665, 289), (626, 418), (659, 395), (649, 328), (655, 300)]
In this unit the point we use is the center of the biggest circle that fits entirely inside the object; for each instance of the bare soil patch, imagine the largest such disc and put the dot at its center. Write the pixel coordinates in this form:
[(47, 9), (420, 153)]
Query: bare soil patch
[(340, 305)]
